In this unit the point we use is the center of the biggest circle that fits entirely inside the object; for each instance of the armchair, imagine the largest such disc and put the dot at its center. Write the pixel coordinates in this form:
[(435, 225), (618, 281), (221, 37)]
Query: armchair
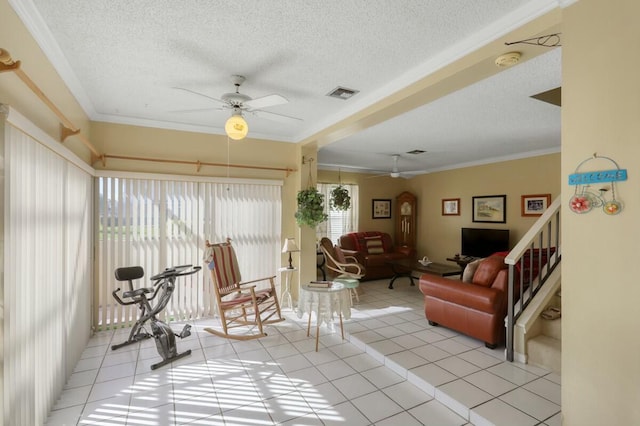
[(476, 308)]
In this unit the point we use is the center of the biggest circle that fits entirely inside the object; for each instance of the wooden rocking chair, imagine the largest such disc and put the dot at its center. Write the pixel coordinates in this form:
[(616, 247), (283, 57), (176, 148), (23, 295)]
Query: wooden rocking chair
[(239, 304)]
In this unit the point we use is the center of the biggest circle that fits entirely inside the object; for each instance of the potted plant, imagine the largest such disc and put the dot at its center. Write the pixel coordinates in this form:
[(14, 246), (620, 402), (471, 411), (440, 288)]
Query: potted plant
[(340, 199), (310, 208)]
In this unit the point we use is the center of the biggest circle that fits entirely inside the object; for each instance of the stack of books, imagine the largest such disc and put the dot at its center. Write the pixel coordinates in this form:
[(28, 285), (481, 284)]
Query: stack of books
[(320, 284)]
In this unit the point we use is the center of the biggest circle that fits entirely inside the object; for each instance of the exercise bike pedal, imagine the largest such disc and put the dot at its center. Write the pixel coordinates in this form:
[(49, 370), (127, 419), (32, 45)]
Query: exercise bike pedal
[(186, 331)]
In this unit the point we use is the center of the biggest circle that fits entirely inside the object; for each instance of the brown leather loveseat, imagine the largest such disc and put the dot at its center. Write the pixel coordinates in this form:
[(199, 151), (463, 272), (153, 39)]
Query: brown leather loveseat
[(373, 250), (476, 308)]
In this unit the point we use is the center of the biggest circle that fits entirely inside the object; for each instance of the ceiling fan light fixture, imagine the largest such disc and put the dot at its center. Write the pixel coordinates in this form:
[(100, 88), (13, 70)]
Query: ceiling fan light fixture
[(236, 127)]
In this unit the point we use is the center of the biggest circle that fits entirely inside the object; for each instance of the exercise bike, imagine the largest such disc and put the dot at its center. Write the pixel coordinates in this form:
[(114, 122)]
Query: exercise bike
[(164, 285)]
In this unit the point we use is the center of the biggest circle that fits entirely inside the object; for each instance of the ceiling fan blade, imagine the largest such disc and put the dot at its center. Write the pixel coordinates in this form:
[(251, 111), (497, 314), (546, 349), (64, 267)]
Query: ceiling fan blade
[(201, 94), (275, 117), (408, 174), (343, 167), (265, 102), (186, 111), (395, 166)]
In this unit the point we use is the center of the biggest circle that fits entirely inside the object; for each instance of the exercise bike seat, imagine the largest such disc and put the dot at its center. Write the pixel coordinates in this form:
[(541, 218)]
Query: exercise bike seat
[(137, 292), (131, 273)]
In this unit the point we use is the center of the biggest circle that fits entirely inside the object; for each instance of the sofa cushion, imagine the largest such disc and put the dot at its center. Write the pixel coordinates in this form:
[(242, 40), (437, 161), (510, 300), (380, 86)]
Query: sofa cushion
[(382, 260), (455, 292), (488, 270), (374, 245), (357, 240), (470, 270)]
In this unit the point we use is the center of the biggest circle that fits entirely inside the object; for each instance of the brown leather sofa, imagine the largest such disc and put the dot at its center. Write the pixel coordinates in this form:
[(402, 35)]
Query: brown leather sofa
[(373, 249), (477, 308)]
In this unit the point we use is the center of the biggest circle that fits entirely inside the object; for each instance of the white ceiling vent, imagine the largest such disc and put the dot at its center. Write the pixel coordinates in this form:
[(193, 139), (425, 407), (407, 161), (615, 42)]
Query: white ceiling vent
[(342, 93)]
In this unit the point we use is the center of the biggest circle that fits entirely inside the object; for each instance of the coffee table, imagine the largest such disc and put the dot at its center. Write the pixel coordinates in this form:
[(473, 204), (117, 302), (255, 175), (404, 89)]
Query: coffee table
[(404, 268)]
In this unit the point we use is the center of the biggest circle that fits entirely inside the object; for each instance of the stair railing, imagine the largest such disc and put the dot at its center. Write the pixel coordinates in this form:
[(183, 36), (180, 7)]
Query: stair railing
[(530, 263)]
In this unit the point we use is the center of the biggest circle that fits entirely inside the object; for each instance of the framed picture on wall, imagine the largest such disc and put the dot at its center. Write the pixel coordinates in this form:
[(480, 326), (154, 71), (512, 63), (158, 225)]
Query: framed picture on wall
[(535, 204), (490, 208), (381, 209), (451, 207)]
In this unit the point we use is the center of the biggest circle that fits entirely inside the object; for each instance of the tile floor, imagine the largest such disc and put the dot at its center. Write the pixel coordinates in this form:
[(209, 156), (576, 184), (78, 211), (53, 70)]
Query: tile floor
[(392, 369)]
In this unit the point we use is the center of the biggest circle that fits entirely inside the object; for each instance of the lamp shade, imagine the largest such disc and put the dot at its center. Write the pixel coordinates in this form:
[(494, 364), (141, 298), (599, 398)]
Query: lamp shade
[(290, 245), (236, 127)]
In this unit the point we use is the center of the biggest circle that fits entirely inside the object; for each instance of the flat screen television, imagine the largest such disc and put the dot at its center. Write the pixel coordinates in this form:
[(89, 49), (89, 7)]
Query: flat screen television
[(478, 242)]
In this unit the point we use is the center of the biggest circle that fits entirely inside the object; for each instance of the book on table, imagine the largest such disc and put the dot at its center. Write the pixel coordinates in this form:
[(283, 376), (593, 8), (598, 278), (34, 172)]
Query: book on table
[(320, 284)]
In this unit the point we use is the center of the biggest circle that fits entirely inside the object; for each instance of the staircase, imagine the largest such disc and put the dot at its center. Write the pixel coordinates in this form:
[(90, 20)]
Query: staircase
[(534, 285), (544, 348)]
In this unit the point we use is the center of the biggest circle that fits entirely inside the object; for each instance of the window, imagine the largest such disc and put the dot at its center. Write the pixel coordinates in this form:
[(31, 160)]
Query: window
[(339, 222), (158, 223)]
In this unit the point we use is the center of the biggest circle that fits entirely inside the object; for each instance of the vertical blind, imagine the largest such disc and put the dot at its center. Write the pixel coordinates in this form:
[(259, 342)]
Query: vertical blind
[(47, 274), (159, 223), (338, 222)]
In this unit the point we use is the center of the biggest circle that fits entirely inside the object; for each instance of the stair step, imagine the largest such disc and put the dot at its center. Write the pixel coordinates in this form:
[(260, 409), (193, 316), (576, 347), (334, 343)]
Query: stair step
[(552, 328), (544, 351)]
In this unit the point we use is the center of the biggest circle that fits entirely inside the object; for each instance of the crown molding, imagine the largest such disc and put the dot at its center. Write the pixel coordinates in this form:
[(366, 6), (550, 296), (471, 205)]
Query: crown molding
[(31, 18)]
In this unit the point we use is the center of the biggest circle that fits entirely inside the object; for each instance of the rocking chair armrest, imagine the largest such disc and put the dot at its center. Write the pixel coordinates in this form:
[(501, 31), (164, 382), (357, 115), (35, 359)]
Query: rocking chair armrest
[(352, 258), (351, 268), (357, 267), (257, 280), (238, 290)]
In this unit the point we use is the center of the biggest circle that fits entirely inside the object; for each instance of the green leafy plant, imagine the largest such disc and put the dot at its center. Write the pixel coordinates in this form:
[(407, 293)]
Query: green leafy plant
[(310, 208), (340, 199)]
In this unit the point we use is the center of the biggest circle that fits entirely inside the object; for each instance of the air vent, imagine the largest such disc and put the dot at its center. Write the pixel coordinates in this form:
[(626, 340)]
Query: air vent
[(342, 93), (416, 152)]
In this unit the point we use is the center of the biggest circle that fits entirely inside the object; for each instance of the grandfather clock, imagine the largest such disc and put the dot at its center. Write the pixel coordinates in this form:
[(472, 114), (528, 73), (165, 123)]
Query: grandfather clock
[(406, 220)]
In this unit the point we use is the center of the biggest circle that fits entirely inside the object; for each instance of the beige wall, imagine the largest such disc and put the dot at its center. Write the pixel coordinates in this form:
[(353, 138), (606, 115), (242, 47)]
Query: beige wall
[(439, 236), (600, 290), (370, 188), (125, 140), (15, 39)]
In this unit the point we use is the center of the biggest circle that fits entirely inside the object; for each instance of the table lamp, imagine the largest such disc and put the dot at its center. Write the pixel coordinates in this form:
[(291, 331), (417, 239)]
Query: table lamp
[(290, 246)]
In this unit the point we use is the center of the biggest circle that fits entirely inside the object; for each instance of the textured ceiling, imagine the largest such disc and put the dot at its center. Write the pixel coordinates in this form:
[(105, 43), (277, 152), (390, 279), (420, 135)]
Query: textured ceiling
[(124, 61)]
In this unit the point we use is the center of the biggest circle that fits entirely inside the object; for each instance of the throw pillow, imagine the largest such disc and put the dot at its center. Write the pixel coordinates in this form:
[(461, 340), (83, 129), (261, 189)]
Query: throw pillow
[(469, 270), (374, 245), (488, 270)]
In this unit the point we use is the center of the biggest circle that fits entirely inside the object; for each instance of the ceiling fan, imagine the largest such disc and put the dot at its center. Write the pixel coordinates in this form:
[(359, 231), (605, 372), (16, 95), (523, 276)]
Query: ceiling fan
[(395, 171), (239, 103)]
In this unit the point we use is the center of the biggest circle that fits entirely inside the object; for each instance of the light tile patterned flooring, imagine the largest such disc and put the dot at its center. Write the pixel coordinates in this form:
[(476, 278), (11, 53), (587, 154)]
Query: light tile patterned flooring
[(392, 369)]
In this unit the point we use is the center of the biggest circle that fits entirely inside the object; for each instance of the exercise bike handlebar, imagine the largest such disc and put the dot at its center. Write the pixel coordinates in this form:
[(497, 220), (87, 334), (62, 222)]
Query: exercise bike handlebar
[(120, 301), (176, 271)]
